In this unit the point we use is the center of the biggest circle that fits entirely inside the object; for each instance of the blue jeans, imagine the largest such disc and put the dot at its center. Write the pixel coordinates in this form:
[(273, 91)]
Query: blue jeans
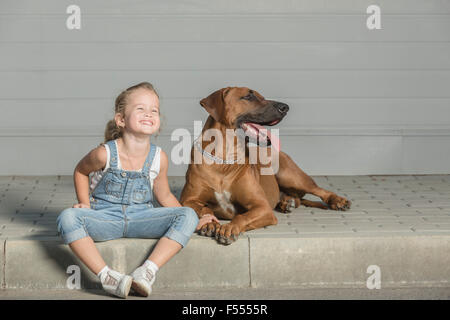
[(121, 221)]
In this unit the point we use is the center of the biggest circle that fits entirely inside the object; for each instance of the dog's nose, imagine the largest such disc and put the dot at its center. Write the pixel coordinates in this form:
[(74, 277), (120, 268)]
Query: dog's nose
[(282, 107)]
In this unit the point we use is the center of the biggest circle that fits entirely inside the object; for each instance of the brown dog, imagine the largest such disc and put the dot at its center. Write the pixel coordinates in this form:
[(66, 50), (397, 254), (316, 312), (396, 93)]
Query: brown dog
[(238, 191)]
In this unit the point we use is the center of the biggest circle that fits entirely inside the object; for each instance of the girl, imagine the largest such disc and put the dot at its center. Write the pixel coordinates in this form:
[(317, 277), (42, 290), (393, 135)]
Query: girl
[(126, 170)]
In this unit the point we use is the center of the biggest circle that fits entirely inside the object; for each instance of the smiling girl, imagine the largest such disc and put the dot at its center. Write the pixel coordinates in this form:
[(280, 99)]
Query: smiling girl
[(126, 171)]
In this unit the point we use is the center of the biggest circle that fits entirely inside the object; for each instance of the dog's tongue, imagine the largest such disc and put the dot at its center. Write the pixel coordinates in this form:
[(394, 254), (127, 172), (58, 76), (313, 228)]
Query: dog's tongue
[(273, 139)]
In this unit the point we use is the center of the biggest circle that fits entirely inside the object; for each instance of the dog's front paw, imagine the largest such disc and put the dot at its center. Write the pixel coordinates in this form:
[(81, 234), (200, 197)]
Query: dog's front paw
[(228, 233), (336, 202), (209, 229)]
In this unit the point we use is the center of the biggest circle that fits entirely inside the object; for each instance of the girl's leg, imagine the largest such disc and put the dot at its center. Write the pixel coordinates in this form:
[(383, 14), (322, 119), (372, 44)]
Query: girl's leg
[(173, 225), (79, 227), (87, 252), (165, 249)]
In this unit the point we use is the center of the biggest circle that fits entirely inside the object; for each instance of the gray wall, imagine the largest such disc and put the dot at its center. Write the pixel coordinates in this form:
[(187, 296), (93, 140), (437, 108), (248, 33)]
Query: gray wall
[(362, 101)]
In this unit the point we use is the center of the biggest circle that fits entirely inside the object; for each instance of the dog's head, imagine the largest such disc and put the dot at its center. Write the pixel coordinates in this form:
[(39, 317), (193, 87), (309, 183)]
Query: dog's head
[(246, 109)]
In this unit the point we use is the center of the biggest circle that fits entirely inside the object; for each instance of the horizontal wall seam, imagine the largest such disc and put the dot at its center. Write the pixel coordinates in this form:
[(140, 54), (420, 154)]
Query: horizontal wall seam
[(97, 131)]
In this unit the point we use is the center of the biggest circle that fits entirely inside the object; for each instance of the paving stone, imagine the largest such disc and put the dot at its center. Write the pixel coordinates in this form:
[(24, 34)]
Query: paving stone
[(383, 228), (437, 219), (323, 229), (397, 200)]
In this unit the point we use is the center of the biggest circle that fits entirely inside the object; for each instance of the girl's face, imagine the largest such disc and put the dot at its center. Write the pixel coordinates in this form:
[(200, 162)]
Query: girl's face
[(141, 113)]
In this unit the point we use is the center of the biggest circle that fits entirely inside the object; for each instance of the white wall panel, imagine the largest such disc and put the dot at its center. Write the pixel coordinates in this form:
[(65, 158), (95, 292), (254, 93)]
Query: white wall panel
[(362, 101)]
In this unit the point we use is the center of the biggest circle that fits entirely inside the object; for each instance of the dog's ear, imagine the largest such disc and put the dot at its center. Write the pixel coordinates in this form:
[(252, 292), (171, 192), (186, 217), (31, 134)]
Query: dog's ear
[(215, 103)]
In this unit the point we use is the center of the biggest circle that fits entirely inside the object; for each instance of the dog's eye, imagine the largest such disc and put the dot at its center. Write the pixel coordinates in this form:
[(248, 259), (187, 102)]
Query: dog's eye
[(249, 97)]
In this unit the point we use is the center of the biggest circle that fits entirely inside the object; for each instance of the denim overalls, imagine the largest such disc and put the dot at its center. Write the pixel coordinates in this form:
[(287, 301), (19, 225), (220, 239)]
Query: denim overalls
[(121, 206), (123, 187)]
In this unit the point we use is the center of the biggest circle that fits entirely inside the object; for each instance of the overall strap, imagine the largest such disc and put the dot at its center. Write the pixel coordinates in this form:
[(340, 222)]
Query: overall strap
[(149, 159), (113, 162)]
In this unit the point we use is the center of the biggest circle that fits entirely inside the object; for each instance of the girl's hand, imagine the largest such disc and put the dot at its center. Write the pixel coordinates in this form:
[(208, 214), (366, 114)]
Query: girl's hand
[(207, 218), (81, 205)]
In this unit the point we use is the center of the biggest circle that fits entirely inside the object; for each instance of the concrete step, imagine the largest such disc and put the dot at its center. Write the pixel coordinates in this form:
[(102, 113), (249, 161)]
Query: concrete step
[(258, 261)]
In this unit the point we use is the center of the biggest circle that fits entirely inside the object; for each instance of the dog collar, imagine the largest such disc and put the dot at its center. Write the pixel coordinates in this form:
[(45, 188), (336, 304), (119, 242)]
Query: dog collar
[(198, 145)]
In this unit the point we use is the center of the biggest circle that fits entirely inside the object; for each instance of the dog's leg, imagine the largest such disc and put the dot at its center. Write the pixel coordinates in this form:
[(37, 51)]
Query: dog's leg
[(259, 212), (196, 197), (287, 203), (258, 217), (294, 182)]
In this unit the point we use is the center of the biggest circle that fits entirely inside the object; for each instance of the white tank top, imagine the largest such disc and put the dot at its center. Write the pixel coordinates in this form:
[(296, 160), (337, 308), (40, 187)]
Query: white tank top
[(96, 176)]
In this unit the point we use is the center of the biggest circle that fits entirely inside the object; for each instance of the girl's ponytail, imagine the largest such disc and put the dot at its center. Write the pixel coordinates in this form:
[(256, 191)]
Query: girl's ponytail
[(112, 132)]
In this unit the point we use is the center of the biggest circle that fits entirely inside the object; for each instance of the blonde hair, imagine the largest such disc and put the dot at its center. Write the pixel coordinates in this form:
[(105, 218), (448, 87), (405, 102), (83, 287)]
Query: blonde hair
[(112, 131)]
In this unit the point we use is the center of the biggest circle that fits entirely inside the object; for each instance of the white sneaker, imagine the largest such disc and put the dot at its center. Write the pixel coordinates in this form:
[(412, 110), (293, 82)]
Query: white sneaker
[(116, 283), (143, 279)]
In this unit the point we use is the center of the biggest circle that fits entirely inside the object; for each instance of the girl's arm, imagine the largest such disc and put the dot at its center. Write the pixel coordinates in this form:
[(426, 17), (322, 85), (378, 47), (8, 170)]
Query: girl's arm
[(161, 185), (93, 161), (166, 198)]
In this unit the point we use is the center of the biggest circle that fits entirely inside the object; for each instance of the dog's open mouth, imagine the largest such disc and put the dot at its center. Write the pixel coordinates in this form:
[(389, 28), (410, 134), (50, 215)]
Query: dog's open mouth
[(261, 136)]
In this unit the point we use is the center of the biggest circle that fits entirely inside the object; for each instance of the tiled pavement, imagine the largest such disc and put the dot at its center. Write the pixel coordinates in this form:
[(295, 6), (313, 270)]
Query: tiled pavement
[(400, 224), (381, 205)]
